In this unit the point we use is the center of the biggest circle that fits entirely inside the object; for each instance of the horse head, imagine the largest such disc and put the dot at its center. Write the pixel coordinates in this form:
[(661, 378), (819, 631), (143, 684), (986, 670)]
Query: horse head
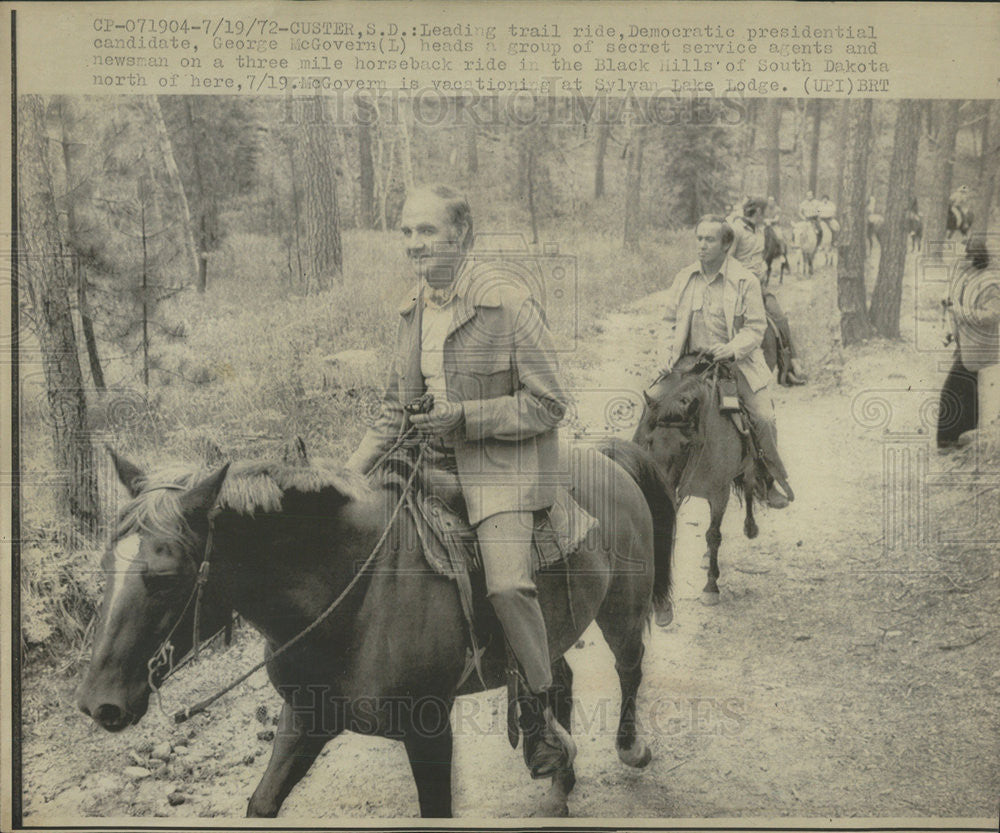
[(151, 567), (673, 413)]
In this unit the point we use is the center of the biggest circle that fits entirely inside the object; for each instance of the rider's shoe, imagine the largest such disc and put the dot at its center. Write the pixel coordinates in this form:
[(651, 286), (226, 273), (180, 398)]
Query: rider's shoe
[(548, 747)]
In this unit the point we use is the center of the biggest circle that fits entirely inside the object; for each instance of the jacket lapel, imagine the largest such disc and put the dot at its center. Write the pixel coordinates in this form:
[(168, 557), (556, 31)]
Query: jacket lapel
[(729, 298), (411, 379)]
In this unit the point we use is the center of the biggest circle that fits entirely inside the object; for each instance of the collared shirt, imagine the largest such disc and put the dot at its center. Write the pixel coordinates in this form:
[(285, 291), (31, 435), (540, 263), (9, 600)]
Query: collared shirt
[(827, 210), (708, 316), (434, 328), (808, 208)]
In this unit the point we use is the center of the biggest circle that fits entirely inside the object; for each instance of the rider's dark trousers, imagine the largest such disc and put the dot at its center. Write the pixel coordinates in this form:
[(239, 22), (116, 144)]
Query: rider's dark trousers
[(959, 408)]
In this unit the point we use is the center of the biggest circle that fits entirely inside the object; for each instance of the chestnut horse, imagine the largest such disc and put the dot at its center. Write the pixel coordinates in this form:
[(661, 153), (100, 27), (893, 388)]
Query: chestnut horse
[(316, 549)]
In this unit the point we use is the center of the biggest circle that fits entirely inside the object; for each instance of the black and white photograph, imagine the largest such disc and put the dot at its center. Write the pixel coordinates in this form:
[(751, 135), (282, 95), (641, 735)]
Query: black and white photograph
[(528, 414)]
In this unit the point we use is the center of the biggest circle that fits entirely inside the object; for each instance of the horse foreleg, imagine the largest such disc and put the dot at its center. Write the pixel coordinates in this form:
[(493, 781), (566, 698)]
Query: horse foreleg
[(713, 537), (749, 523), (555, 805), (297, 743), (429, 748)]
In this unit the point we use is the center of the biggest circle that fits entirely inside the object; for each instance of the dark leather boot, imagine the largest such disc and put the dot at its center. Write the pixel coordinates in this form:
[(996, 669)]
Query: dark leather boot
[(548, 747)]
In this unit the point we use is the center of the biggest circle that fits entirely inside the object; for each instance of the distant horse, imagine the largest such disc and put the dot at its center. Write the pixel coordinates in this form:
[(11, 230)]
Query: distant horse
[(288, 544), (775, 247), (959, 219), (806, 240), (699, 450)]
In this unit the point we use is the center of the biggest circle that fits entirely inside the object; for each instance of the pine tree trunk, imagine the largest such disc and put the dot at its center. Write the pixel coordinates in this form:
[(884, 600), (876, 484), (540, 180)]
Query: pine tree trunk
[(203, 202), (87, 325), (884, 312), (406, 156), (166, 152), (472, 149), (532, 211), (989, 160), (936, 216), (854, 326), (633, 188), (321, 214), (73, 191), (366, 166), (772, 146), (817, 123), (603, 131), (842, 123), (44, 267)]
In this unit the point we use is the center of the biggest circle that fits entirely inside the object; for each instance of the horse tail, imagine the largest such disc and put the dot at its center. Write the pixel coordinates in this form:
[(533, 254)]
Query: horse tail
[(642, 468)]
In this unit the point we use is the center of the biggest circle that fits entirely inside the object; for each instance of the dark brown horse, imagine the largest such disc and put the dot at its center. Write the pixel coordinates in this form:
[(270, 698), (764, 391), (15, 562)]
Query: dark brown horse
[(699, 450), (285, 542), (774, 248)]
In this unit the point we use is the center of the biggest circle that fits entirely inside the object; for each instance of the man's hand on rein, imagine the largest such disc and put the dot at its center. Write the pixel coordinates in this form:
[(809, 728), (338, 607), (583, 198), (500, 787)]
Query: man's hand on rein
[(722, 352), (441, 420)]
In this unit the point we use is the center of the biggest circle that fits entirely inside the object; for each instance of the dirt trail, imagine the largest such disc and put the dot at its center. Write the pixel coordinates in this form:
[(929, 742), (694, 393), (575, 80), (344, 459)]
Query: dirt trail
[(823, 685)]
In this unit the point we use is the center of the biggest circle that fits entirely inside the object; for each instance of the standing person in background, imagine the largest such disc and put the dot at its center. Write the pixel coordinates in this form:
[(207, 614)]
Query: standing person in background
[(974, 303), (479, 344)]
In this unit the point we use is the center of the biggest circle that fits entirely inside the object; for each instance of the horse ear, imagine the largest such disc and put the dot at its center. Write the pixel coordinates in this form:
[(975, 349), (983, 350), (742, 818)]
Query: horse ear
[(130, 475), (202, 496), (650, 402)]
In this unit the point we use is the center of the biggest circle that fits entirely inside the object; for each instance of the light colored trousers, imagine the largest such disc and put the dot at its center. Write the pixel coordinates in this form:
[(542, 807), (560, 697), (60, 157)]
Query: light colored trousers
[(505, 547)]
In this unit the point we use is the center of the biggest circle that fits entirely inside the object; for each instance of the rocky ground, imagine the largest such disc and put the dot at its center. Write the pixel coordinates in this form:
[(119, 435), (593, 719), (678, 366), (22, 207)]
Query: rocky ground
[(849, 671)]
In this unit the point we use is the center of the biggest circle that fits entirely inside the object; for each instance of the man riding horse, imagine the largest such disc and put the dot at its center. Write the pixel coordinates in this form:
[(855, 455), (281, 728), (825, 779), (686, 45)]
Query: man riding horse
[(748, 248), (826, 210), (715, 307), (960, 216), (809, 210), (480, 346)]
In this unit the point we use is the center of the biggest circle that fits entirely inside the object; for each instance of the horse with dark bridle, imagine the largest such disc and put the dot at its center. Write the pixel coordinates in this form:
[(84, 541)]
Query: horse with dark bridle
[(361, 635), (700, 450), (774, 248)]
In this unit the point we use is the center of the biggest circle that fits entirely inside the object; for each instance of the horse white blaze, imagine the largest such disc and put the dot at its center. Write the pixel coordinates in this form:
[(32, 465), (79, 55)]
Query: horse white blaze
[(126, 551)]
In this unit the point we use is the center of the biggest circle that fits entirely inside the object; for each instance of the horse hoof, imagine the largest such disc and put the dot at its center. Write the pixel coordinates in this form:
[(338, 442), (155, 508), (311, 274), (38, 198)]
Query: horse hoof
[(751, 529), (637, 757), (710, 598), (664, 614)]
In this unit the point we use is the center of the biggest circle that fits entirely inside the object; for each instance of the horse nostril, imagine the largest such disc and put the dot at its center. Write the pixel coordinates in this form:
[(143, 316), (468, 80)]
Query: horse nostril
[(110, 716)]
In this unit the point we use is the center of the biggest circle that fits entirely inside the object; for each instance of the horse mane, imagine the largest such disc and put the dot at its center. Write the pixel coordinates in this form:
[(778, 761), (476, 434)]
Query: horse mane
[(251, 486)]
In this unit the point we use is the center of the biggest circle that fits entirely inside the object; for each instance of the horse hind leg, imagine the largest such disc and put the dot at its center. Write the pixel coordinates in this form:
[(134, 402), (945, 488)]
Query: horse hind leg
[(555, 805), (625, 641)]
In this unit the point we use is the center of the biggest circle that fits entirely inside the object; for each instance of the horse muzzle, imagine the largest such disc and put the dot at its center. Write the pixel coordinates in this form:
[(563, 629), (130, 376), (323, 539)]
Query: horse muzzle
[(110, 711)]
